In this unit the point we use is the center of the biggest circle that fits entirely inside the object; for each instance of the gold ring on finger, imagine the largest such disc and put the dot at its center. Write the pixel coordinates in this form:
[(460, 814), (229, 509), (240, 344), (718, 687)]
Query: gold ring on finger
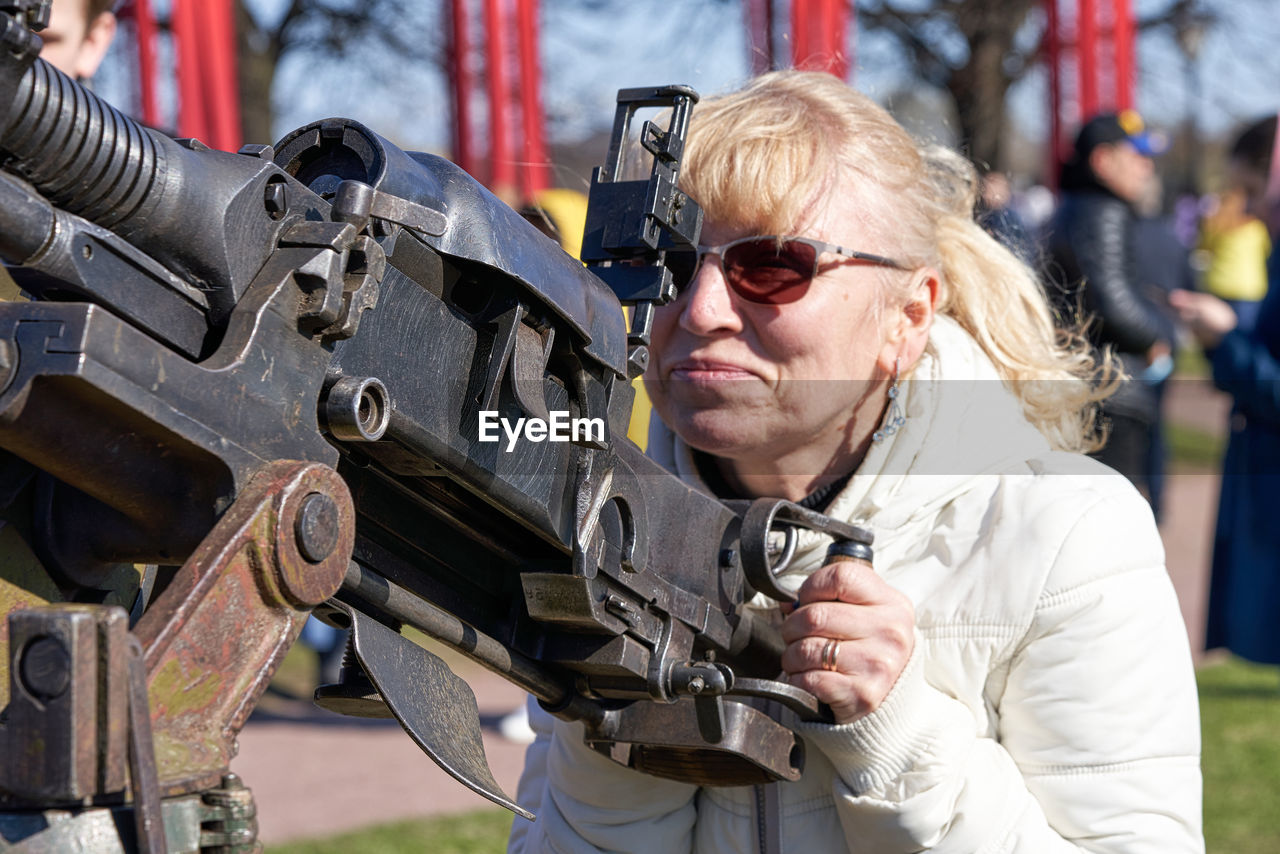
[(829, 653)]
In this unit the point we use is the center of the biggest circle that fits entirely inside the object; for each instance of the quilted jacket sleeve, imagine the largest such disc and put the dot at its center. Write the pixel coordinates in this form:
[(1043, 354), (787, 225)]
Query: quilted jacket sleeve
[(1097, 747), (1101, 236)]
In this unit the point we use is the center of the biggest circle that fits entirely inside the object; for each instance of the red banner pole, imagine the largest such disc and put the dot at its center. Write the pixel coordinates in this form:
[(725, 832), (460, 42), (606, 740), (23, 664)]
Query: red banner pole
[(463, 82), (144, 33), (801, 49), (222, 93), (192, 120), (535, 164), (502, 166), (1087, 57), (1123, 36)]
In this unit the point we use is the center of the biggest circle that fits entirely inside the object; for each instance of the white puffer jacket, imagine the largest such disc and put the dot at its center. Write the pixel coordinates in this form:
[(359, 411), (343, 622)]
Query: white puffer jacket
[(1050, 705)]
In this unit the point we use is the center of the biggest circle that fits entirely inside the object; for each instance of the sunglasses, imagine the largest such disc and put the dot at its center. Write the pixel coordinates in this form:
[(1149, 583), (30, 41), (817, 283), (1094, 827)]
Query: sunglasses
[(768, 270)]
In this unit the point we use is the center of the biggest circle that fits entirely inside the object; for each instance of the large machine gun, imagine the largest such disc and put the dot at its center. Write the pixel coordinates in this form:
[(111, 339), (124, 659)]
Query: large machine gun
[(275, 379)]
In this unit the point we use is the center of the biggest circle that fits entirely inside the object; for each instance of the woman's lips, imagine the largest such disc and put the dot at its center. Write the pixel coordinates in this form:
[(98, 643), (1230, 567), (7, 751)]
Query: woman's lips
[(697, 370)]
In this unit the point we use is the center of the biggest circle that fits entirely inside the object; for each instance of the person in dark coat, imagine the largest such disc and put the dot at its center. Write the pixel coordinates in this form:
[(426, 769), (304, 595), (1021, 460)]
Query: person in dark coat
[(1244, 591), (1093, 271)]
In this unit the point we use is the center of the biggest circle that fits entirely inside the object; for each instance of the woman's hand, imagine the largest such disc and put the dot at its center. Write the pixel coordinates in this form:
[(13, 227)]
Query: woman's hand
[(1208, 317), (848, 639)]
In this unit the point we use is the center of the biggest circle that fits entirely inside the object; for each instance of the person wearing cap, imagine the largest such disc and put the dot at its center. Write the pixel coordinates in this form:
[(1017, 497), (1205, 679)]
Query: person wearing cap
[(1093, 275)]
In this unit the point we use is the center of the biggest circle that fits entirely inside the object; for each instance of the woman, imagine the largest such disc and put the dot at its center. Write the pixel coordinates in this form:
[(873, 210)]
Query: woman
[(1244, 591), (1014, 675)]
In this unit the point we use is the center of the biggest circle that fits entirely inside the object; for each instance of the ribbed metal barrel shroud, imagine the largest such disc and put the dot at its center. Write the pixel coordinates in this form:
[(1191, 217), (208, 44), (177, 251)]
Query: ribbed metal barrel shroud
[(81, 153)]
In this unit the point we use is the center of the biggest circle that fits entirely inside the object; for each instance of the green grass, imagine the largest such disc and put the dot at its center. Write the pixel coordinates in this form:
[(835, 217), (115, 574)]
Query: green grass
[(1240, 721), (1190, 362), (1190, 448), (481, 832), (1240, 715)]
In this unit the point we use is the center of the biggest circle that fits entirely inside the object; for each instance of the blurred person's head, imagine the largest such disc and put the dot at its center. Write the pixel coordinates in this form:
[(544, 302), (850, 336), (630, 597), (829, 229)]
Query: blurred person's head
[(996, 193), (1113, 150), (78, 35), (1255, 170)]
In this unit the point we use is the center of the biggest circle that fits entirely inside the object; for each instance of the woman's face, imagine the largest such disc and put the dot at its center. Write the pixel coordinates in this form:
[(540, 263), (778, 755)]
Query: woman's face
[(747, 381)]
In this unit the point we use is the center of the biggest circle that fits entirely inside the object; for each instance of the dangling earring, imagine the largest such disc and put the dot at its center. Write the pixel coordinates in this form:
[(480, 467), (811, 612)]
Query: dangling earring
[(893, 417)]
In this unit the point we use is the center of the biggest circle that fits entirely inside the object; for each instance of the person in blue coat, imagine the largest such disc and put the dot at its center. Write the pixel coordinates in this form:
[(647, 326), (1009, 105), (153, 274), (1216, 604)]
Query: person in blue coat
[(1244, 591)]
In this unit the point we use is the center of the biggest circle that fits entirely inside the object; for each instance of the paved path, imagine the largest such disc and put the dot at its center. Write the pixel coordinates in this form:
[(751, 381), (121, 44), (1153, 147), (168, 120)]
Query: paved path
[(316, 774), (1191, 501)]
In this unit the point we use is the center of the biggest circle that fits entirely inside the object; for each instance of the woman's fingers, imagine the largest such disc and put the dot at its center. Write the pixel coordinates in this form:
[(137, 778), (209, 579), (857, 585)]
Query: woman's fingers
[(849, 638), (844, 581)]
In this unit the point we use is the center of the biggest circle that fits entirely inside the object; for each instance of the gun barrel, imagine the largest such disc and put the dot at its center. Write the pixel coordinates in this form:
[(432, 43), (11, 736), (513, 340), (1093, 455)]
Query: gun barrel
[(78, 151), (188, 207)]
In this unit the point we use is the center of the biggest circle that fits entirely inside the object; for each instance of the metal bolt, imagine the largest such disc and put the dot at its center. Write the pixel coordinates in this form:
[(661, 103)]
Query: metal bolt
[(316, 527), (637, 360), (274, 199), (45, 668), (696, 685), (728, 558)]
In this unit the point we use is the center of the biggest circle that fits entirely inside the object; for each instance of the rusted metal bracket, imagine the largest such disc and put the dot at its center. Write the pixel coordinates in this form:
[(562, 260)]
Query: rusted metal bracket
[(102, 716), (280, 550)]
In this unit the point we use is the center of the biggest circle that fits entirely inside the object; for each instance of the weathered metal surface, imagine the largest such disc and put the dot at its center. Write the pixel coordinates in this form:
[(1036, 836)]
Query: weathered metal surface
[(148, 822), (221, 820), (65, 739), (230, 823), (103, 830), (206, 669), (670, 741), (434, 706)]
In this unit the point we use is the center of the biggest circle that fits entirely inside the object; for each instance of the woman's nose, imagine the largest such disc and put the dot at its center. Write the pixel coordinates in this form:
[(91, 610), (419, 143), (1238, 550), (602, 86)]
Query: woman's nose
[(708, 307)]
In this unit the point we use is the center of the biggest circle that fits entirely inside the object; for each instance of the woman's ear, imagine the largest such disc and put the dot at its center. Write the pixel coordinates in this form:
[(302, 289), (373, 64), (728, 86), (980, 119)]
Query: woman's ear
[(910, 323)]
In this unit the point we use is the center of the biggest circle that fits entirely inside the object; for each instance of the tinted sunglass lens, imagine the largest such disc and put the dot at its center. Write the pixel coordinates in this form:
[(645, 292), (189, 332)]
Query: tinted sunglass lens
[(765, 272)]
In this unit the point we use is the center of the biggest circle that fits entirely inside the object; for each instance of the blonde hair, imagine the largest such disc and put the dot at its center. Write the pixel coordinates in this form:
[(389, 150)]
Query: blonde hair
[(757, 160)]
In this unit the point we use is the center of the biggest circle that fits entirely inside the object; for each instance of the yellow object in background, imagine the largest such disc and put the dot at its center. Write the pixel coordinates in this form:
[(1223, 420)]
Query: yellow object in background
[(565, 211), (1237, 261)]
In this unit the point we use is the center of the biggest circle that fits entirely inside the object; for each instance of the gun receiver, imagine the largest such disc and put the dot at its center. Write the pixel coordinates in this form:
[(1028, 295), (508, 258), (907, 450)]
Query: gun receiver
[(268, 374)]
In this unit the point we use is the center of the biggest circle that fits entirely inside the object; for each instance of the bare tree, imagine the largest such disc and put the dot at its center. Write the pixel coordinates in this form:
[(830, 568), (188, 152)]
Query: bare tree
[(977, 49), (380, 32), (971, 49)]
